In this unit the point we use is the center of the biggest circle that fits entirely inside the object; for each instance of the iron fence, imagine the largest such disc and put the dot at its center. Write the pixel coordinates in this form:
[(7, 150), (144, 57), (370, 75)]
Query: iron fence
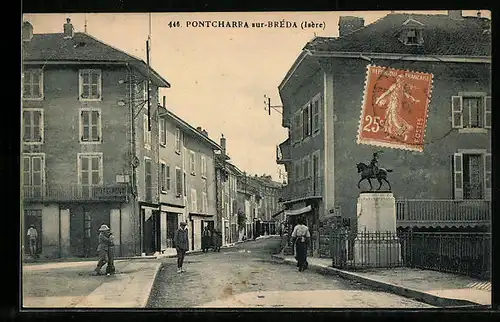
[(453, 252)]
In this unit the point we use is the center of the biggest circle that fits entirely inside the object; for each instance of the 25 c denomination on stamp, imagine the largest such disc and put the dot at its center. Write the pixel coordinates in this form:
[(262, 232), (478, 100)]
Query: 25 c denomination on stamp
[(394, 109)]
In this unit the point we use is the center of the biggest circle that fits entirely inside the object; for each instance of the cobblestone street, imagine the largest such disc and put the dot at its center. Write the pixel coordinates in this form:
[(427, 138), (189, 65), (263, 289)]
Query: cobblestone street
[(243, 276)]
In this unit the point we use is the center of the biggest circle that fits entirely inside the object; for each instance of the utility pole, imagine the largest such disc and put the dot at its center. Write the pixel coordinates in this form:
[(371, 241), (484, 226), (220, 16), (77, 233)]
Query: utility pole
[(148, 89), (268, 106)]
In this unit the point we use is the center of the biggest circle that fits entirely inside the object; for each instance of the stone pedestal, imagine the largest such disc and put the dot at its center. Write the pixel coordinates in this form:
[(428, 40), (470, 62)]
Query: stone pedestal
[(376, 243)]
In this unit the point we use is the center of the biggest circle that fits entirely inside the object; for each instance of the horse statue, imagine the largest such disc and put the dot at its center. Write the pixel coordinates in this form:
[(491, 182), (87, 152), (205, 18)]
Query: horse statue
[(368, 173)]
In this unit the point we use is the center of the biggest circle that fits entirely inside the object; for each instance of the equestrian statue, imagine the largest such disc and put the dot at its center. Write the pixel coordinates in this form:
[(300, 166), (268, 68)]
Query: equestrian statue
[(372, 171)]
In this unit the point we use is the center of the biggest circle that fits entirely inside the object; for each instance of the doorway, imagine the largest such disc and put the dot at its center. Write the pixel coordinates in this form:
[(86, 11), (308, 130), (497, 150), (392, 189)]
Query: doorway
[(172, 225), (151, 231)]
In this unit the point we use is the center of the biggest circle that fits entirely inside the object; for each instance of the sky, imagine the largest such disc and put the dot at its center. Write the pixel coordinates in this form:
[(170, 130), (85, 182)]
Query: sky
[(218, 76)]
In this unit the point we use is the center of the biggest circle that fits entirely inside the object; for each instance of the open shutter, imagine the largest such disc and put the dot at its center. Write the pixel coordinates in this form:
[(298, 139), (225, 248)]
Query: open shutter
[(487, 176), (456, 112), (487, 112), (458, 183)]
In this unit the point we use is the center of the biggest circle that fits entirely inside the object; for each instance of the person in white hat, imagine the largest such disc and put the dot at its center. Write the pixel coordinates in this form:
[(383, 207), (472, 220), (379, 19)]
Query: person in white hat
[(105, 243)]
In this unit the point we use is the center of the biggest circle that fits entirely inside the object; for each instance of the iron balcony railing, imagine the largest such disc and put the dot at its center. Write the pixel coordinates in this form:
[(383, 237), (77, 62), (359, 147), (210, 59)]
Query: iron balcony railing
[(301, 189), (76, 193), (283, 153), (422, 211)]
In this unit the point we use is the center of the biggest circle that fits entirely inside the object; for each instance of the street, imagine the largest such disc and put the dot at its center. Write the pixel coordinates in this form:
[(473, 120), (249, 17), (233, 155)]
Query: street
[(243, 276)]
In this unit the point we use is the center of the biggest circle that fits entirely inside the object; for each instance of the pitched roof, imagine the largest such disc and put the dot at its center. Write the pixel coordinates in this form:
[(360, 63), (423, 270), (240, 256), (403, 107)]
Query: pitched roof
[(80, 48), (442, 36), (188, 128)]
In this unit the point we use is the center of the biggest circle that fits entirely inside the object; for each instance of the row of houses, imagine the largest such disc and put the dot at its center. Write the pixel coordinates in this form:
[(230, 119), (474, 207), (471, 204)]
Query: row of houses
[(448, 185), (99, 147)]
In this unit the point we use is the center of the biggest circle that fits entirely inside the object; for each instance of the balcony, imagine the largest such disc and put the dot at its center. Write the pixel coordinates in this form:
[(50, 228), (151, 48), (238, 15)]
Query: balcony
[(63, 193), (434, 213), (283, 152), (303, 189)]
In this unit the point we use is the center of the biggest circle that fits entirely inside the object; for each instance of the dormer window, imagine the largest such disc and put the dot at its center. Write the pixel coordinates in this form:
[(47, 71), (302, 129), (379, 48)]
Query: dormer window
[(412, 33)]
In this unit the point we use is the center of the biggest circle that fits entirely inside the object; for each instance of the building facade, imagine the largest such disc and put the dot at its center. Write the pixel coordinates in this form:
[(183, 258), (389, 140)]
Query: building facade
[(450, 181), (88, 156)]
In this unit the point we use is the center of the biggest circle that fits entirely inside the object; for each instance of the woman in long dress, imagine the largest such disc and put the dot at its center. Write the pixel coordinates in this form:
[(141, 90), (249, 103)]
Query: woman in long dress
[(394, 124)]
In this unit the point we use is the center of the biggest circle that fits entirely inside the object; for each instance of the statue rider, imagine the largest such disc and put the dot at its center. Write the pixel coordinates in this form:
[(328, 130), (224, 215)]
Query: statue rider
[(374, 163)]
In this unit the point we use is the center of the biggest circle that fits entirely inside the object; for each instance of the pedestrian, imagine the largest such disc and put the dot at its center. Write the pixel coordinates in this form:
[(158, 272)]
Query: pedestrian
[(105, 243), (301, 237), (216, 240), (181, 245), (206, 239), (33, 239)]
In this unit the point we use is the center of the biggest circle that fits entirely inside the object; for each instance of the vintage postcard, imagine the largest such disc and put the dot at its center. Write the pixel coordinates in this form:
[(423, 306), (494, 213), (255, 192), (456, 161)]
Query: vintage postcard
[(256, 160)]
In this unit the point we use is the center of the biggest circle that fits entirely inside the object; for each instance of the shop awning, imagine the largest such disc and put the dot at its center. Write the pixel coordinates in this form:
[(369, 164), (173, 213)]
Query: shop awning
[(296, 212)]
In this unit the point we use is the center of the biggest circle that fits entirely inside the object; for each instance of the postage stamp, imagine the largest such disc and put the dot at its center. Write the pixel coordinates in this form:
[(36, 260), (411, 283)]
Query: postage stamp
[(395, 108)]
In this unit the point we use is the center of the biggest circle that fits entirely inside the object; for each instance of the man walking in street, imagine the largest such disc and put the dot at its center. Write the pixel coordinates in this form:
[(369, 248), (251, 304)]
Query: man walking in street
[(32, 239), (301, 237), (106, 241), (181, 245)]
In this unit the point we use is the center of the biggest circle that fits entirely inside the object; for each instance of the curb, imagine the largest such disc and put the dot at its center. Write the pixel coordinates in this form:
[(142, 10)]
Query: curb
[(392, 288), (151, 282)]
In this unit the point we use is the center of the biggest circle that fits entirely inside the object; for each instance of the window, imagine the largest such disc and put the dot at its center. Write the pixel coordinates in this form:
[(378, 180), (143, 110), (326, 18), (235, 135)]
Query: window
[(192, 162), (315, 114), (90, 84), (33, 84), (297, 128), (33, 175), (412, 36), (472, 175), (185, 184), (165, 177), (178, 140), (194, 202), (147, 133), (315, 172), (205, 186), (33, 126), (141, 93), (90, 125), (163, 132), (148, 180), (298, 171), (204, 203), (306, 120), (178, 182), (471, 112), (90, 172), (306, 173), (235, 206), (203, 166)]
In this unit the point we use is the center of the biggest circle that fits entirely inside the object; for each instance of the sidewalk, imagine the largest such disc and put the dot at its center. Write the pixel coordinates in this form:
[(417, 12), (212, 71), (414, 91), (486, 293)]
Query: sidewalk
[(434, 288), (72, 285)]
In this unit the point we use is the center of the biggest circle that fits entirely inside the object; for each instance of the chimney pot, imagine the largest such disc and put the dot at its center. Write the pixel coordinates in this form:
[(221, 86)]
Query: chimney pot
[(205, 133), (223, 144), (27, 31), (68, 29), (349, 24)]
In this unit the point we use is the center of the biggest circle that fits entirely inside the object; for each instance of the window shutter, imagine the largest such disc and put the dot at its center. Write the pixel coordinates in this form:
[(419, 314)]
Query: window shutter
[(458, 184), (487, 112), (487, 176), (456, 112), (79, 169)]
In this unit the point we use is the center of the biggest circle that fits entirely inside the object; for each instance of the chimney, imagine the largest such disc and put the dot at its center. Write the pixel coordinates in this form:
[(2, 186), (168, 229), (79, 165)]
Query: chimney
[(223, 144), (27, 32), (68, 29), (164, 101), (349, 24), (204, 132), (198, 128), (455, 14)]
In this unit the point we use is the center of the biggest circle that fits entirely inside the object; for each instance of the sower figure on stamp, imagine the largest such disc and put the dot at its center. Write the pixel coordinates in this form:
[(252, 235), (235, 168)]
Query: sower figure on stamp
[(394, 124)]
